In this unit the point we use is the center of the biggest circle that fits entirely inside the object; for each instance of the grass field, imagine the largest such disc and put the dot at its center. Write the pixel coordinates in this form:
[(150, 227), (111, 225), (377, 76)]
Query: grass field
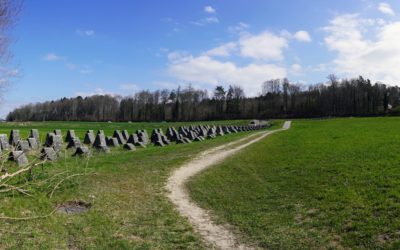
[(126, 189), (323, 184)]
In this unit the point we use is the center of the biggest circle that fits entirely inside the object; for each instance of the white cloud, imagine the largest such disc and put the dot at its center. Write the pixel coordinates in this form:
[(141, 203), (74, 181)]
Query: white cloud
[(124, 90), (296, 69), (85, 32), (8, 72), (209, 9), (129, 87), (176, 56), (97, 91), (254, 51), (223, 50), (302, 36), (322, 67), (166, 84), (265, 46), (385, 8), (52, 57), (206, 70), (374, 57), (240, 28), (205, 21)]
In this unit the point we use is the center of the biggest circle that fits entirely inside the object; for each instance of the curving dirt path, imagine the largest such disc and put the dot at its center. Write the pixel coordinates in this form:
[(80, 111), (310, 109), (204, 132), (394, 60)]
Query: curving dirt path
[(217, 235)]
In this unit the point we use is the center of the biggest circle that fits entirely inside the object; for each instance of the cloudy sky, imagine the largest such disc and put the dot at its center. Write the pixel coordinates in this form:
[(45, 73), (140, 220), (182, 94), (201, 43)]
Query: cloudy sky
[(70, 47)]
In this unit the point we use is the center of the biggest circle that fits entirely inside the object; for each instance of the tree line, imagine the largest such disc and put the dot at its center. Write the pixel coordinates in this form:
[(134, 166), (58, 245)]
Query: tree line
[(278, 98)]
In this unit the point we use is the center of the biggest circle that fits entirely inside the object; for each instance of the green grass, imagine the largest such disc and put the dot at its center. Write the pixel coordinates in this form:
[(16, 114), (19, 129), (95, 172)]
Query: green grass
[(130, 210), (323, 184)]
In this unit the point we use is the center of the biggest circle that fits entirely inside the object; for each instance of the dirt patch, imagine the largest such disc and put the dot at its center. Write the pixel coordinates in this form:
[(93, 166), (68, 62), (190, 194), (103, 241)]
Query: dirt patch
[(383, 238), (74, 207)]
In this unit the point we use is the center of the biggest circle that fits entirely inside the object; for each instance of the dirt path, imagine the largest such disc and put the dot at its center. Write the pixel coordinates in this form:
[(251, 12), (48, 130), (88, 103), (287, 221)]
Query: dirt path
[(217, 235)]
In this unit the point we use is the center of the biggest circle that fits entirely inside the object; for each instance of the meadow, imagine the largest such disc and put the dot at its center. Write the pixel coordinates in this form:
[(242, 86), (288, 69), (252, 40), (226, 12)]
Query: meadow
[(323, 184), (126, 190)]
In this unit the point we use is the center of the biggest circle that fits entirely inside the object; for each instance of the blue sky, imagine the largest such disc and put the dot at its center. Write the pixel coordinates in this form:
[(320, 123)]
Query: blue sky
[(70, 48)]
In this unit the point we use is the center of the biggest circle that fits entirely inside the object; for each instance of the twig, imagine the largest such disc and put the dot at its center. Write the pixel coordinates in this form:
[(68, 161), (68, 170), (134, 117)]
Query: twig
[(59, 183), (11, 187), (29, 218), (49, 179)]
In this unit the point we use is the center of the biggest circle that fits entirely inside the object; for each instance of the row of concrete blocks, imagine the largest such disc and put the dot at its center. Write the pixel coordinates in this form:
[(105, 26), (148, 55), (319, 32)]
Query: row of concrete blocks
[(53, 142), (197, 133)]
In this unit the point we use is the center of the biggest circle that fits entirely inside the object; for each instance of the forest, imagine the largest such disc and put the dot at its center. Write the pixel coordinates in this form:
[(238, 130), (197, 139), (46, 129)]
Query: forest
[(278, 98)]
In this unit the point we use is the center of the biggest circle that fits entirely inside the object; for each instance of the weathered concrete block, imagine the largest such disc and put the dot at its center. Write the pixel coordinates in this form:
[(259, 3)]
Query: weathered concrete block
[(211, 136), (226, 130), (134, 139), (144, 131), (19, 157), (192, 135), (183, 131), (100, 143), (58, 132), (4, 142), (22, 145), (199, 138), (33, 144), (155, 135), (14, 137), (70, 135), (143, 137), (89, 138), (140, 144), (74, 143), (82, 151), (129, 146), (125, 134), (48, 153), (53, 140), (165, 140), (183, 140), (112, 142), (202, 132), (35, 134), (159, 144), (103, 149), (219, 132), (117, 134), (172, 134)]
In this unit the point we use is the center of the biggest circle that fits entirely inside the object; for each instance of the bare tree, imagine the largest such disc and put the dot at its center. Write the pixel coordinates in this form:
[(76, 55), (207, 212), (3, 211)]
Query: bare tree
[(9, 12), (271, 86)]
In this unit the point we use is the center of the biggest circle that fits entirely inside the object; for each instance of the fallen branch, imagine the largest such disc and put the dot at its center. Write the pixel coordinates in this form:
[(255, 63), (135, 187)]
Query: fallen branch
[(22, 170)]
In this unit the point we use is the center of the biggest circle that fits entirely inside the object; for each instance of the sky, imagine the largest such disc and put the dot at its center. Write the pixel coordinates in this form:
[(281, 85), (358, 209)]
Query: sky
[(67, 48)]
